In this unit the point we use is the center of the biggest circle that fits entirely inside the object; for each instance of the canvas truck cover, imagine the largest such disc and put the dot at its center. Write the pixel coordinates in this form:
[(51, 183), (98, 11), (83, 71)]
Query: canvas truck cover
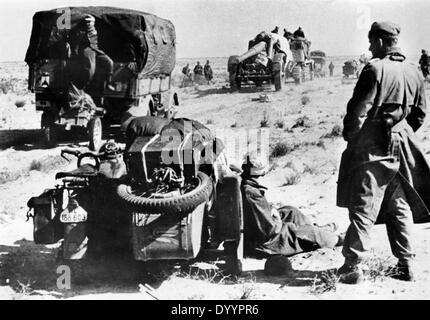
[(125, 35)]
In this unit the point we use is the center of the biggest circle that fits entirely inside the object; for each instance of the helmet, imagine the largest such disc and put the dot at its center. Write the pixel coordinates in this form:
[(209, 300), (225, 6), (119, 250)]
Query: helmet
[(257, 165), (110, 149)]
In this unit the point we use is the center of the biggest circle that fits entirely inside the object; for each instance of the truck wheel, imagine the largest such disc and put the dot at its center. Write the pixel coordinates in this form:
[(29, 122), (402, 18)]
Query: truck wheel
[(277, 79), (95, 133), (183, 203), (51, 134), (234, 84)]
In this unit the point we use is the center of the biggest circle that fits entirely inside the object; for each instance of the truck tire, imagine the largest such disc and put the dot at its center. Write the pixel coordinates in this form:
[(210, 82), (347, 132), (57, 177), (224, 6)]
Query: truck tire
[(179, 204), (95, 133), (50, 129), (277, 79), (234, 84), (51, 134)]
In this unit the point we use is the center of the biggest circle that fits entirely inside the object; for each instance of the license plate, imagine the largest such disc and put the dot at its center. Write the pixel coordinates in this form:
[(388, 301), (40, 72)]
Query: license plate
[(74, 216)]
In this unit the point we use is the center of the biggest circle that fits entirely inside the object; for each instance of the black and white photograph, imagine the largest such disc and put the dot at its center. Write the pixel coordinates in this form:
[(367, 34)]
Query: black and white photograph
[(214, 150)]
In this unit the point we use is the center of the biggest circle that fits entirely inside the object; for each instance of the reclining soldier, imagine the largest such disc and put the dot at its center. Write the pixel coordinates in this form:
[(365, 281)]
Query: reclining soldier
[(286, 231)]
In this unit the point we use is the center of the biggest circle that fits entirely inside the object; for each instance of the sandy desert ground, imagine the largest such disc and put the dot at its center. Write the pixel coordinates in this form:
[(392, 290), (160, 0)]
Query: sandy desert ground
[(305, 120)]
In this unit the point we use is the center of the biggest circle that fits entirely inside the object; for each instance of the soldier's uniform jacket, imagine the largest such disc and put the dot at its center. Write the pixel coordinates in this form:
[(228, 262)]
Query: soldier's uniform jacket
[(291, 234), (387, 106)]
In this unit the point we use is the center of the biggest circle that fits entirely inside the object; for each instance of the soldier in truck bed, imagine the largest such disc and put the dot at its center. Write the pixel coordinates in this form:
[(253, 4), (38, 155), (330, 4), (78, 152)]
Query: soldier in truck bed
[(86, 57), (299, 33)]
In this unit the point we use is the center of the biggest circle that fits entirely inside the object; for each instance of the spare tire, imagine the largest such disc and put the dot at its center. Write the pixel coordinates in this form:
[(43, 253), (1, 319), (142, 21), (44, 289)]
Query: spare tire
[(178, 204)]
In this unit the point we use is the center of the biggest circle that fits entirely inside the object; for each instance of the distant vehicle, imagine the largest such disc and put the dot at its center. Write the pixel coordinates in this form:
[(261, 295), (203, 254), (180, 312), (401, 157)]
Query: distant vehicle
[(265, 61), (319, 58), (350, 68), (142, 47), (302, 66)]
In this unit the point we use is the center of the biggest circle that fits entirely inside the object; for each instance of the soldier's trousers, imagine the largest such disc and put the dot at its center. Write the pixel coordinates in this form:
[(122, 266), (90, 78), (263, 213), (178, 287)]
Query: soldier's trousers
[(371, 201)]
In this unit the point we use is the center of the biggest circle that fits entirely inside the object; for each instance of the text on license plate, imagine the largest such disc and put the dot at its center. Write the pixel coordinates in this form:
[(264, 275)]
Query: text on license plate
[(77, 215)]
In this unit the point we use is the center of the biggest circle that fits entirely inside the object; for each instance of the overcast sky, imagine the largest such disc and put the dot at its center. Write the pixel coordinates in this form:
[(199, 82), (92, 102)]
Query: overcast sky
[(214, 28)]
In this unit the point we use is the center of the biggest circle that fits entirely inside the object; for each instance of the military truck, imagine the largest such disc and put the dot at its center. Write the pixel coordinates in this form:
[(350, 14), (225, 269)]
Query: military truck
[(350, 68), (319, 58), (142, 47), (265, 62)]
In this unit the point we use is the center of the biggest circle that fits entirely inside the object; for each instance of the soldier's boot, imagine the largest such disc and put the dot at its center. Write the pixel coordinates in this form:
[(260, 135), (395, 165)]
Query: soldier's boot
[(350, 274), (403, 271)]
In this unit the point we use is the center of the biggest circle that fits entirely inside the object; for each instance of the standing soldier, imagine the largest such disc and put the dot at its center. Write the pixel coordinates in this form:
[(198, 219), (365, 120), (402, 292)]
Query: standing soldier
[(187, 74), (331, 68), (424, 63), (383, 175), (208, 72), (198, 73), (198, 70)]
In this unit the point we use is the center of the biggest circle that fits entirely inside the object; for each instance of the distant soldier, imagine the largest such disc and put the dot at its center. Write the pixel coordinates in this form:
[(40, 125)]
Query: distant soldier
[(424, 63), (331, 68), (198, 70), (276, 30), (186, 70), (299, 33), (208, 72), (187, 74), (288, 35)]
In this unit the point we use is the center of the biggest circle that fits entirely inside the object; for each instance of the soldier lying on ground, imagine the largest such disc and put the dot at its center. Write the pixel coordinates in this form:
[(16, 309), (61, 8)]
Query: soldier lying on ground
[(286, 231)]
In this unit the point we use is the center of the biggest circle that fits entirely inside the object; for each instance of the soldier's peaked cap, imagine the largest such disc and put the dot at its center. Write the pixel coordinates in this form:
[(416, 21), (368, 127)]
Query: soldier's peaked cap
[(384, 28)]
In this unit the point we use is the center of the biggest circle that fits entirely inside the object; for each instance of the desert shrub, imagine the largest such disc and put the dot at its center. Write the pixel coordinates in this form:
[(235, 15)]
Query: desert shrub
[(291, 177), (35, 165), (295, 164), (6, 176), (281, 149), (247, 289), (321, 143), (303, 121), (264, 123), (305, 100), (279, 124), (325, 283), (336, 131), (6, 86), (379, 266), (311, 169)]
